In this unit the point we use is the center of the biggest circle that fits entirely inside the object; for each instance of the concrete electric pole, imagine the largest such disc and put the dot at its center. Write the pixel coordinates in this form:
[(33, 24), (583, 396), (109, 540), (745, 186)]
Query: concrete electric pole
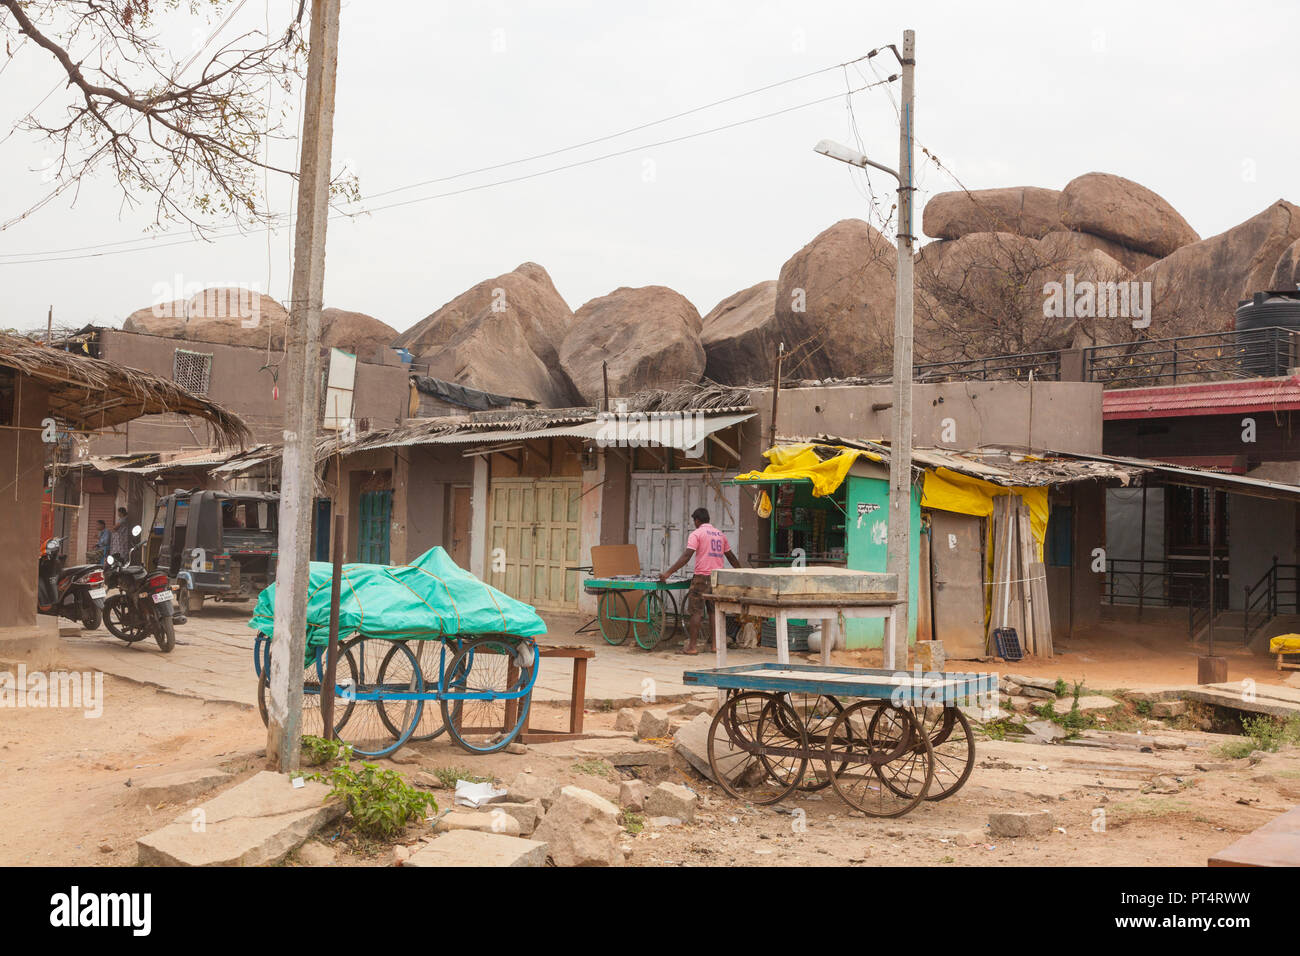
[(899, 554), (302, 394)]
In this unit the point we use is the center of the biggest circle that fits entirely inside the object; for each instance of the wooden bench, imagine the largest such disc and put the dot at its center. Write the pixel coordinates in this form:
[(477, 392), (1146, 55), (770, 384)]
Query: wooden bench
[(579, 654), (1276, 843)]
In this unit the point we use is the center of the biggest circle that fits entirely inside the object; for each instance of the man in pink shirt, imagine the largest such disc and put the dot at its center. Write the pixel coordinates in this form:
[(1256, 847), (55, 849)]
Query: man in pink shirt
[(710, 548)]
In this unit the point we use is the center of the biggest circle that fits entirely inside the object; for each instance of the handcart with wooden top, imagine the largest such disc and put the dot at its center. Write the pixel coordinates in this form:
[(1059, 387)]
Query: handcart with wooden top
[(424, 648), (883, 740), (640, 605)]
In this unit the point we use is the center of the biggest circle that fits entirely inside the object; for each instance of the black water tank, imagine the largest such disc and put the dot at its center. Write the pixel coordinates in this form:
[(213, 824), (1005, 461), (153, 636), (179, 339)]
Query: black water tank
[(1267, 309)]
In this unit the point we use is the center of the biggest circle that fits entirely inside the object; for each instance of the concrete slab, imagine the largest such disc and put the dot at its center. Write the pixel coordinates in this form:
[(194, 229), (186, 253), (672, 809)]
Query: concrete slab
[(256, 823), (176, 787), (482, 822), (1087, 702), (819, 582), (470, 848)]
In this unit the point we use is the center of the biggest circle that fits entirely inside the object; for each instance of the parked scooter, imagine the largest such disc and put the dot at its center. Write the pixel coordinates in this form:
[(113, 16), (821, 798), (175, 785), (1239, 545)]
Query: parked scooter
[(76, 593), (143, 604)]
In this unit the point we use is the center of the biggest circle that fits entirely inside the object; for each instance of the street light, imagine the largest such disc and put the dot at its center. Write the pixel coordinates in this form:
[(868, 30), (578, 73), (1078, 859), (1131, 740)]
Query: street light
[(899, 561)]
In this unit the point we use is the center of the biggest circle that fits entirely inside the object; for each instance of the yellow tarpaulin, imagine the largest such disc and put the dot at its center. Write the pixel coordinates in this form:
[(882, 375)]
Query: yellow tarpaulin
[(1284, 644), (947, 490), (793, 462)]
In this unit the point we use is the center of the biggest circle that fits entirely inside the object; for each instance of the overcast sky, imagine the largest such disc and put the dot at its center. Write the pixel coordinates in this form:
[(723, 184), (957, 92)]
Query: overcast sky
[(1195, 100)]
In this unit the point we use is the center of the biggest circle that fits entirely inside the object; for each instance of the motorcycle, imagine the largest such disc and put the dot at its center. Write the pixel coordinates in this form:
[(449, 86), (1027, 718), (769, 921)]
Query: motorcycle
[(143, 604), (77, 593)]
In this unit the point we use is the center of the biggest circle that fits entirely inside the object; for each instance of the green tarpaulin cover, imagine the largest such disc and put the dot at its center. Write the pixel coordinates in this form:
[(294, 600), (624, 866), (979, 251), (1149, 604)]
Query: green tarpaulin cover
[(429, 598)]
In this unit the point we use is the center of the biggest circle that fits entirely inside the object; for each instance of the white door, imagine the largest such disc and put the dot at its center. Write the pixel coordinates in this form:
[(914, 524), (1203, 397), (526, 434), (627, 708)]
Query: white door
[(659, 520)]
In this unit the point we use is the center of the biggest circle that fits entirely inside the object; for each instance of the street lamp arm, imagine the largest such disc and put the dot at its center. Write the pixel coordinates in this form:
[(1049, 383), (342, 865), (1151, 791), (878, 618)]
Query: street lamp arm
[(828, 147)]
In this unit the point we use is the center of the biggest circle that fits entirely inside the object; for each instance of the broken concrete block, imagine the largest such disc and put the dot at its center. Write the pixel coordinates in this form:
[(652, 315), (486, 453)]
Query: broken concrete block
[(672, 800), (930, 655), (582, 829), (632, 794), (516, 748), (1044, 731), (692, 744), (1007, 824), (526, 813), (1039, 683), (176, 787), (653, 723), (1038, 693), (688, 709), (658, 823), (428, 781), (627, 719), (473, 848), (313, 853), (1009, 687), (1086, 703), (528, 786), (483, 821), (1169, 708), (258, 822)]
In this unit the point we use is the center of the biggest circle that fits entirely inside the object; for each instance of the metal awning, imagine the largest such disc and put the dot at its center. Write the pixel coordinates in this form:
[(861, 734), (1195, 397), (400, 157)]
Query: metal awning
[(1197, 477)]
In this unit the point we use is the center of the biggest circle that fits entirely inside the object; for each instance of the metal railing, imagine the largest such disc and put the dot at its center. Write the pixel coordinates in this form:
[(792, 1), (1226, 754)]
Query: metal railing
[(1276, 592), (1045, 367), (1255, 353), (1156, 583)]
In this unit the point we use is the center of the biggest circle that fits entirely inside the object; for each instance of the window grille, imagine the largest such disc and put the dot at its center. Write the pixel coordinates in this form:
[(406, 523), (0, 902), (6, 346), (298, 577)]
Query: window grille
[(192, 371)]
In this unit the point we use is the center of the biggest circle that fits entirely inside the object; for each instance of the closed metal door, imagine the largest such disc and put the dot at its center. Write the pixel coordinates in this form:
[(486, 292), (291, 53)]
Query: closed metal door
[(373, 527), (659, 522), (957, 566)]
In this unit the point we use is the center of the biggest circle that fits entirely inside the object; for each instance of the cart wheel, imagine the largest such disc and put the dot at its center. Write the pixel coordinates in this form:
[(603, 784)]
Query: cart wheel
[(750, 755), (312, 677), (673, 615), (494, 666), (817, 714), (954, 748), (614, 617), (883, 763), (369, 726), (649, 623)]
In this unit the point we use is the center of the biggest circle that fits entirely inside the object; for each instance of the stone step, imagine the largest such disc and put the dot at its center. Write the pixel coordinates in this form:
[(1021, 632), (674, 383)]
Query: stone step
[(475, 848)]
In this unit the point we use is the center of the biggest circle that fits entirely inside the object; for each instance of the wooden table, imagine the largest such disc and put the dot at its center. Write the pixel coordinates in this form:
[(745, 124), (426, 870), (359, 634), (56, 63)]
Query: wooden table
[(579, 654)]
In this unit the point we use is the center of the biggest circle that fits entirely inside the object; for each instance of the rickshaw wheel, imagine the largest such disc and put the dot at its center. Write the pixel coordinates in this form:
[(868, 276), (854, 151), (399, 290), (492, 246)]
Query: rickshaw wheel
[(744, 727), (648, 625), (613, 614), (485, 665), (368, 730), (817, 714), (312, 679), (954, 748), (886, 764)]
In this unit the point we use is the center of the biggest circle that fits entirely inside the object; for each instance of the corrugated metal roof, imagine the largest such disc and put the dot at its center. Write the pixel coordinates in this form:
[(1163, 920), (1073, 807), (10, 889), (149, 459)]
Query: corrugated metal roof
[(1202, 398)]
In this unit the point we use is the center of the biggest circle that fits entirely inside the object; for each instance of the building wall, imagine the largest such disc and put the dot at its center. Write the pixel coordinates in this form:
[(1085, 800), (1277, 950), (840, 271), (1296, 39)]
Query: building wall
[(1060, 416), (239, 382), (22, 477)]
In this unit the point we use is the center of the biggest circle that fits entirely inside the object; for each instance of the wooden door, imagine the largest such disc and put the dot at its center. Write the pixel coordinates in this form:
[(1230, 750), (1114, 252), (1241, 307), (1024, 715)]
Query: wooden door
[(373, 526), (957, 567), (459, 544), (533, 537)]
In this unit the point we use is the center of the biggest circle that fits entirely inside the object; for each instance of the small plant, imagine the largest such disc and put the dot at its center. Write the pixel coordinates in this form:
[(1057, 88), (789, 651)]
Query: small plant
[(592, 768), (1291, 729), (447, 776), (317, 751), (1143, 707), (998, 729), (1267, 732), (1236, 750), (632, 821), (948, 859), (380, 801), (1062, 688)]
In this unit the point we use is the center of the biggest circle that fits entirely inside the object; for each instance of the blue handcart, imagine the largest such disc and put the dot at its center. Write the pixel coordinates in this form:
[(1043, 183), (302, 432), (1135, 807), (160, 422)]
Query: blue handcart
[(410, 636), (900, 739)]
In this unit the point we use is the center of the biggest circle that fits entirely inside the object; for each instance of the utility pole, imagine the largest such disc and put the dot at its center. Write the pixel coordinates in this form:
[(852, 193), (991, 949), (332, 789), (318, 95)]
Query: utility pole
[(302, 394), (899, 560)]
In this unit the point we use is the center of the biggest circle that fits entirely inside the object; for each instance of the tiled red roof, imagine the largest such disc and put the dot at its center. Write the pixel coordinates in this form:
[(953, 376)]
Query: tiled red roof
[(1202, 398)]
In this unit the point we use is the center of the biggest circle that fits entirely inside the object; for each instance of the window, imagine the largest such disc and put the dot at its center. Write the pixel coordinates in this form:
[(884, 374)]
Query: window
[(192, 371), (1060, 537)]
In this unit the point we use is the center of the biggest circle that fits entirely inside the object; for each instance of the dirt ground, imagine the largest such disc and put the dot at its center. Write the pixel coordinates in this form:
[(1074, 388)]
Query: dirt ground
[(66, 777)]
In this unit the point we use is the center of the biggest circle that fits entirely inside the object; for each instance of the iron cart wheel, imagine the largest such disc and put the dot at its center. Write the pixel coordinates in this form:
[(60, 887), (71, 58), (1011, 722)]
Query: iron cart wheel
[(614, 616), (380, 723), (750, 754), (882, 764), (482, 692), (954, 748), (817, 714), (649, 623), (313, 676)]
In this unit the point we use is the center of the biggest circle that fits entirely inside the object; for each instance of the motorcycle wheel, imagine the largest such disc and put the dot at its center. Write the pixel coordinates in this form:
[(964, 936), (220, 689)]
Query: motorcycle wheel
[(120, 620), (89, 616), (165, 634)]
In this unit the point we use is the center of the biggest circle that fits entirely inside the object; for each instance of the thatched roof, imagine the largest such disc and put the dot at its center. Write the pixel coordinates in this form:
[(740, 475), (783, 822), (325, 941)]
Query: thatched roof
[(91, 394)]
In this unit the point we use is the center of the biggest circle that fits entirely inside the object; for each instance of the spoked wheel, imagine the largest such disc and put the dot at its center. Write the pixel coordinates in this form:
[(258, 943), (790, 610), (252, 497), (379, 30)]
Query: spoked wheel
[(613, 614), (649, 623), (878, 760), (396, 670), (755, 745), (122, 620), (381, 721), (673, 615), (817, 715), (486, 679), (954, 748), (312, 680)]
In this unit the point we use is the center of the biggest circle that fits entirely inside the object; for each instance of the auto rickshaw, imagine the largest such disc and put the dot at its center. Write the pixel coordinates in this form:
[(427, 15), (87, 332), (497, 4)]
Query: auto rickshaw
[(218, 545)]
